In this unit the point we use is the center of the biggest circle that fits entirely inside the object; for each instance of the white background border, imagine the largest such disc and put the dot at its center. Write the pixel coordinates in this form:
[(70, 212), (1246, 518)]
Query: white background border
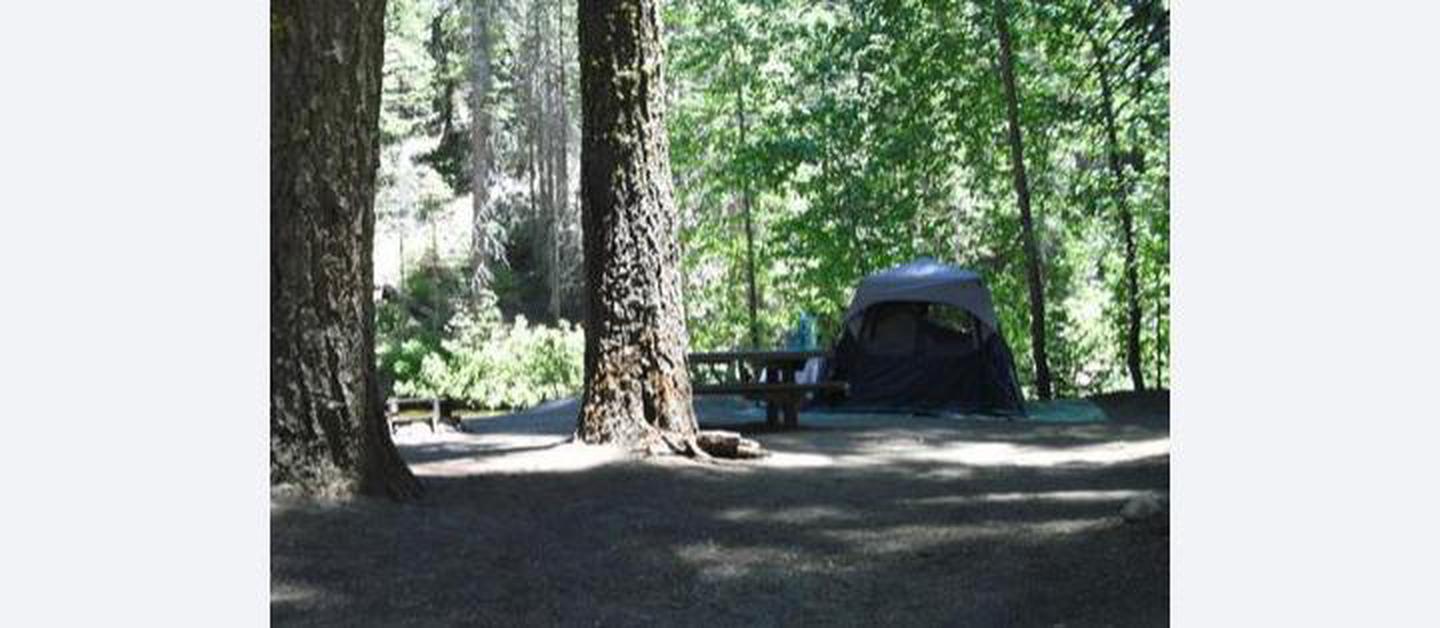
[(133, 259)]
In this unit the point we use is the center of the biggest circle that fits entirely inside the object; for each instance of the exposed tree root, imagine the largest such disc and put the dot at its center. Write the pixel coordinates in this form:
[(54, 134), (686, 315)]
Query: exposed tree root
[(705, 445)]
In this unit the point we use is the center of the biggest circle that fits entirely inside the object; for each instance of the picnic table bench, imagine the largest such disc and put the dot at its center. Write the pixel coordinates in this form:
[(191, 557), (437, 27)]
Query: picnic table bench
[(440, 410), (768, 375)]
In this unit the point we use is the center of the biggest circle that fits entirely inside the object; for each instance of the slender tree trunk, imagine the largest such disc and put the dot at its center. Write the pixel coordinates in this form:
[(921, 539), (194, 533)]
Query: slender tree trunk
[(1127, 229), (536, 113), (637, 386), (751, 293), (480, 150), (1022, 195), (552, 216), (1161, 310), (1159, 348), (327, 430), (545, 243), (562, 170)]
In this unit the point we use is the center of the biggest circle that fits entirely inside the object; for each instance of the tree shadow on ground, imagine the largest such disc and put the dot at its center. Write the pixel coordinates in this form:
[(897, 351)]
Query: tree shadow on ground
[(673, 542)]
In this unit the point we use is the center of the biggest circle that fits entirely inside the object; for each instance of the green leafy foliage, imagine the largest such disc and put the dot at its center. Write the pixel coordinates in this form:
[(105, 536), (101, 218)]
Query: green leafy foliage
[(435, 338), (876, 134), (492, 364), (859, 135)]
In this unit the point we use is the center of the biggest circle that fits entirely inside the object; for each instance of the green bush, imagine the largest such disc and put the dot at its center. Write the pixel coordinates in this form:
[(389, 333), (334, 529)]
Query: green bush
[(492, 364)]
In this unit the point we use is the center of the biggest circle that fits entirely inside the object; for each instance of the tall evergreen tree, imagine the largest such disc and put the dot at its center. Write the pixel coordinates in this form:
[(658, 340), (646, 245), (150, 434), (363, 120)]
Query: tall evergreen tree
[(482, 154), (326, 424)]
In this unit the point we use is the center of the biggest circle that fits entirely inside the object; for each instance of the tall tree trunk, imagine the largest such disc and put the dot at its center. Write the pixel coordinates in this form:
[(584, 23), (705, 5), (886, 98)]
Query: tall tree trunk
[(637, 386), (327, 430), (480, 150), (536, 113), (551, 242), (752, 295), (1127, 229), (1162, 299), (562, 158), (1022, 195), (1159, 348)]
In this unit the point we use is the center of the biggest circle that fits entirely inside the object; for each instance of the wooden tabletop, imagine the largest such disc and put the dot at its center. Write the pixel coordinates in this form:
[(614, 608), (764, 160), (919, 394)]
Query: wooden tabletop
[(759, 357)]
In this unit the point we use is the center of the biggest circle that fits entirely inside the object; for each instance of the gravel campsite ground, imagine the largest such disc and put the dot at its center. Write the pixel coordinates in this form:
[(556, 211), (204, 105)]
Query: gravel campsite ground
[(853, 520)]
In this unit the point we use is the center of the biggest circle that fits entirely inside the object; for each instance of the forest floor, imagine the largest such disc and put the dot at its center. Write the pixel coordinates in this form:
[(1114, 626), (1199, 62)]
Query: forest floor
[(853, 520)]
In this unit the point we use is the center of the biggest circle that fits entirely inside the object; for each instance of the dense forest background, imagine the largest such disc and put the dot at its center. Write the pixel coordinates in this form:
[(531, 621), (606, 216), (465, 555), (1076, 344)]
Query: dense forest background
[(812, 143)]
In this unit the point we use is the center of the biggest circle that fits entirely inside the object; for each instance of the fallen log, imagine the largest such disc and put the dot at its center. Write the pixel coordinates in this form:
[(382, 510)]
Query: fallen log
[(722, 444)]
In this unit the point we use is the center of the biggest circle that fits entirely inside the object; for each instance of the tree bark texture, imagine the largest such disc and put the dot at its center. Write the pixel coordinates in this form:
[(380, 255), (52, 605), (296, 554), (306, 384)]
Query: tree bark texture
[(1022, 194), (637, 386), (327, 429)]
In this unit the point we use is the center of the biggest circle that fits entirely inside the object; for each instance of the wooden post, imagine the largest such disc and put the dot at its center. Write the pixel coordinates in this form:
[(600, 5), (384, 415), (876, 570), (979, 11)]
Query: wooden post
[(434, 415)]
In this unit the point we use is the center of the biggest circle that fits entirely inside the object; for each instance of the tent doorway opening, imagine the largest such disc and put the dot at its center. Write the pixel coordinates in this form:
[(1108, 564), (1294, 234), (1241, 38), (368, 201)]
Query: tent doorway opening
[(924, 337)]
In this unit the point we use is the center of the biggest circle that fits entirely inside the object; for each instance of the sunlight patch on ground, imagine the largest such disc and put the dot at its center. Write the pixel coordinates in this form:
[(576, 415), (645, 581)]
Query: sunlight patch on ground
[(946, 473), (1060, 496), (793, 460), (803, 514), (291, 593), (519, 454), (919, 538), (852, 454), (536, 441), (1008, 454), (714, 561)]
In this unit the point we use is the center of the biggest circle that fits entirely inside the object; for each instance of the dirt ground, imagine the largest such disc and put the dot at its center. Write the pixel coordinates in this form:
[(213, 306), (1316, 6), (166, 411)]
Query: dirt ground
[(854, 520)]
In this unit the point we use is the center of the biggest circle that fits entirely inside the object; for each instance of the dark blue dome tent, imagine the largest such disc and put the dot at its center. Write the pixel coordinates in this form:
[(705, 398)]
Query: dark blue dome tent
[(923, 336)]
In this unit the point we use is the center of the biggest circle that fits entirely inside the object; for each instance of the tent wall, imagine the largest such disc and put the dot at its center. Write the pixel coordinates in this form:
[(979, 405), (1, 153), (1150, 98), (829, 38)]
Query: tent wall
[(949, 374), (896, 354)]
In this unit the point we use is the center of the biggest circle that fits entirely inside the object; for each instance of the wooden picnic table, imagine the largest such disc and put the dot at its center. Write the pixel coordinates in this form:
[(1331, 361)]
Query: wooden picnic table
[(441, 410), (769, 375)]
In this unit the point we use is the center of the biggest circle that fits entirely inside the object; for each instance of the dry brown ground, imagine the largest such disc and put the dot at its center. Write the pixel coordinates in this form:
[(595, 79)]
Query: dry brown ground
[(854, 520)]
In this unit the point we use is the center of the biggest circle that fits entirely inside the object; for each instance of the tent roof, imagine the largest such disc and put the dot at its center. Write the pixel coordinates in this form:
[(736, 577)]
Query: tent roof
[(928, 281)]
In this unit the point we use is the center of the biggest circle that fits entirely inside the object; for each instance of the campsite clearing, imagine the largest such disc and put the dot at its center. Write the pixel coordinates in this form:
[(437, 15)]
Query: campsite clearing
[(855, 519)]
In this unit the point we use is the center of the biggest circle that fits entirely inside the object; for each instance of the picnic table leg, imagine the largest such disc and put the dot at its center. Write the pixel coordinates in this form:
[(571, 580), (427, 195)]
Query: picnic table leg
[(792, 412), (772, 409), (787, 402), (448, 416)]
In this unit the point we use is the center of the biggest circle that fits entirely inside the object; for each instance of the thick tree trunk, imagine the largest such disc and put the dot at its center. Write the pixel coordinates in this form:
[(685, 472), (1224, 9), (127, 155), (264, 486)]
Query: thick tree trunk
[(327, 429), (1022, 194), (1127, 228), (480, 151), (637, 386)]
